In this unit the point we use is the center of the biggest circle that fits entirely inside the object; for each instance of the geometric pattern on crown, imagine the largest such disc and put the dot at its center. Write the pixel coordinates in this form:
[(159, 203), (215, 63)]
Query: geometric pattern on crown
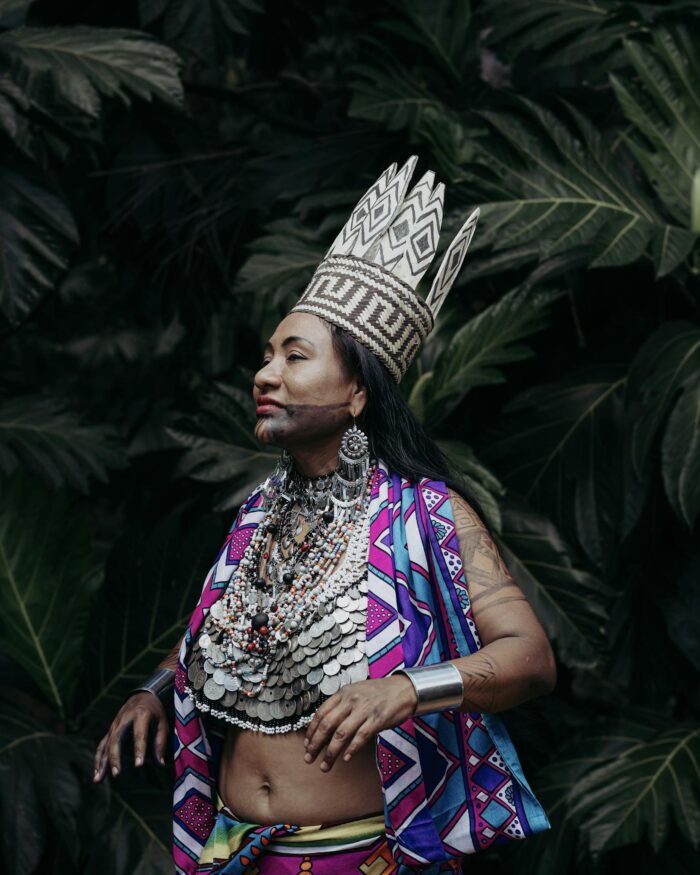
[(366, 282)]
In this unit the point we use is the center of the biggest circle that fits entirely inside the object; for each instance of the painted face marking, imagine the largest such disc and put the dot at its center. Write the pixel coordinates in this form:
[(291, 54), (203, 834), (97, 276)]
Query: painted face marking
[(300, 419), (294, 409)]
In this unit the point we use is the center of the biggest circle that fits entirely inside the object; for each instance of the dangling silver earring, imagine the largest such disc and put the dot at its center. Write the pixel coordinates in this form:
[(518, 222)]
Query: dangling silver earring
[(353, 464), (277, 482)]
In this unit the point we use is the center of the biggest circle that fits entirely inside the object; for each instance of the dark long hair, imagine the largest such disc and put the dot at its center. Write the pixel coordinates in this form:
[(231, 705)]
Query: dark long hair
[(394, 433)]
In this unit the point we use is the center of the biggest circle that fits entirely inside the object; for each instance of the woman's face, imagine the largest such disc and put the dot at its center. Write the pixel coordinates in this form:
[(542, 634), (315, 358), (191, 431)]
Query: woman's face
[(301, 375)]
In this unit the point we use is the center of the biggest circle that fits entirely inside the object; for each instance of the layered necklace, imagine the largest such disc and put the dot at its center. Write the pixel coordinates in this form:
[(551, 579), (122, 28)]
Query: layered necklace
[(289, 629)]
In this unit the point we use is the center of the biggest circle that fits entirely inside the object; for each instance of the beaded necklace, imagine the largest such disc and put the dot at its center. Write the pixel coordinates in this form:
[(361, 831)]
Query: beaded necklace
[(248, 630)]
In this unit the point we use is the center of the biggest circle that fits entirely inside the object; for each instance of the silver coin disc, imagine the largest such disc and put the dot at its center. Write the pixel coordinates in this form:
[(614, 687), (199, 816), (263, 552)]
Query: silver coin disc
[(315, 675), (212, 690), (332, 667)]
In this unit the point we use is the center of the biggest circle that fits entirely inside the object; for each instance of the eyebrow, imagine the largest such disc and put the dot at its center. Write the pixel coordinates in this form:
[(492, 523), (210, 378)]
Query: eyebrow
[(294, 338)]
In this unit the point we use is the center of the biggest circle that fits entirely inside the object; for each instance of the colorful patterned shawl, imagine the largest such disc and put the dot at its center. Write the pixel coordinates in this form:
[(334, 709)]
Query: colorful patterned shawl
[(452, 781)]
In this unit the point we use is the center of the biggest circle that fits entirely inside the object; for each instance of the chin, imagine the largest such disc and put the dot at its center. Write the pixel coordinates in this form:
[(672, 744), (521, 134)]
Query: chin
[(267, 435)]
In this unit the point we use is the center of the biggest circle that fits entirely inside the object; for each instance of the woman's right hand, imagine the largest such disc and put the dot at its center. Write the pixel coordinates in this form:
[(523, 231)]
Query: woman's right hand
[(140, 712)]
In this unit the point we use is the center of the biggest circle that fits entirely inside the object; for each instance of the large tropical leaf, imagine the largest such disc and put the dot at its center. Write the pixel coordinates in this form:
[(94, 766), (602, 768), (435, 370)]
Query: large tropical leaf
[(478, 351), (481, 482), (221, 448), (631, 797), (388, 94), (47, 579), (561, 445), (570, 603), (682, 608), (13, 12), (13, 102), (201, 25), (283, 261), (39, 434), (152, 583), (442, 29), (663, 106), (38, 234), (560, 186), (567, 32), (132, 833), (557, 785), (680, 454), (667, 364), (75, 68), (42, 772)]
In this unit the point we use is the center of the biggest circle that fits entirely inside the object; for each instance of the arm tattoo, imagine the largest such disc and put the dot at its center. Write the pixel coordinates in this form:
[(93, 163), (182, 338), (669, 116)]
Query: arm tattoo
[(503, 601), (484, 568), (480, 676)]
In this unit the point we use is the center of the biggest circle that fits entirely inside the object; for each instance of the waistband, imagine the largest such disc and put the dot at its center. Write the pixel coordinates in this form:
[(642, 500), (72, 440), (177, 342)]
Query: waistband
[(319, 834)]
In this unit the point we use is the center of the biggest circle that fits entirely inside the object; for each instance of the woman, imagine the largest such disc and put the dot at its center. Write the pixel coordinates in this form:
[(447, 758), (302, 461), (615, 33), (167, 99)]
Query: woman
[(309, 781)]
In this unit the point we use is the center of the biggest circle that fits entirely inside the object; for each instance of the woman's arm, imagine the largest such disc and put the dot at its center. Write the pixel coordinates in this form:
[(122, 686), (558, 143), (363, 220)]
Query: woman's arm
[(139, 712), (515, 662)]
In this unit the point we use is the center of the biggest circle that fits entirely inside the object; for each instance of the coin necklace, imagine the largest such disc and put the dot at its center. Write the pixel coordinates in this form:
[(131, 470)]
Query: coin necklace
[(251, 620)]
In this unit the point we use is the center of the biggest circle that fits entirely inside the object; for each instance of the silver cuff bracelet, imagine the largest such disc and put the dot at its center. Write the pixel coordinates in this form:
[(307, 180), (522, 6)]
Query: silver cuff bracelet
[(439, 687), (160, 680)]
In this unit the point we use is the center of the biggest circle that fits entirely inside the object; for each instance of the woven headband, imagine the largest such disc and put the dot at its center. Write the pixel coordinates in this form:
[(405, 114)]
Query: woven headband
[(366, 281)]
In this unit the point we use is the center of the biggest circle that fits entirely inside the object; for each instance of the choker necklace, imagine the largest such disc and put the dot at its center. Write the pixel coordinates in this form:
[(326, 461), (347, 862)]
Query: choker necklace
[(245, 645)]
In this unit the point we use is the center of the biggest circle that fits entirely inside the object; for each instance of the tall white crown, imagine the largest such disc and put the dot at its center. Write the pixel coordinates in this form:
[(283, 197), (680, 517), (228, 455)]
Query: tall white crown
[(366, 282), (400, 232)]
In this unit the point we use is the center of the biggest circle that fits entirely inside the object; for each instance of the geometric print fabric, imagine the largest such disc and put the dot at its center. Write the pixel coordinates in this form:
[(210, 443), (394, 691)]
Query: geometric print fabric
[(452, 782)]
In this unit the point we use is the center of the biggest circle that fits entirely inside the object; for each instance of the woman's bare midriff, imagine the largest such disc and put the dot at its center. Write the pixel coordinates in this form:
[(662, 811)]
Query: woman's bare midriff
[(264, 779)]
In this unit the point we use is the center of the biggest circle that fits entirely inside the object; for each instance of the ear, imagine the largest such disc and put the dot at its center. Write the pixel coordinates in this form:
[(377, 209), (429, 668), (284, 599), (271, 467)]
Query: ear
[(359, 397)]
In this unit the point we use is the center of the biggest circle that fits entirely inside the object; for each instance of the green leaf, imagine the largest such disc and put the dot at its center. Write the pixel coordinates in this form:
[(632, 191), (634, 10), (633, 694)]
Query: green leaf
[(441, 29), (76, 68), (13, 12), (389, 94), (12, 102), (135, 832), (557, 785), (630, 798), (38, 235), (569, 32), (201, 25), (477, 352), (47, 579), (695, 204), (39, 434), (561, 445), (664, 109), (221, 448), (283, 261), (570, 603), (680, 454), (152, 582), (561, 31), (562, 187), (666, 361), (682, 608), (670, 248), (41, 778), (481, 482)]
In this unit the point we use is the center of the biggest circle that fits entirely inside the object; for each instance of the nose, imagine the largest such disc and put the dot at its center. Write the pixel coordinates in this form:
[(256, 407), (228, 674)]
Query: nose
[(267, 376)]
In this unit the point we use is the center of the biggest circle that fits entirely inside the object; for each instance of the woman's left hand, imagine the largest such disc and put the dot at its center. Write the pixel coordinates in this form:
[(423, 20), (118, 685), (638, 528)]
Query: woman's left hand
[(355, 714)]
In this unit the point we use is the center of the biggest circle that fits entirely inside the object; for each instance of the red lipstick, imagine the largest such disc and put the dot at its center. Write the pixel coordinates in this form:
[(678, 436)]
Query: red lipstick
[(265, 404)]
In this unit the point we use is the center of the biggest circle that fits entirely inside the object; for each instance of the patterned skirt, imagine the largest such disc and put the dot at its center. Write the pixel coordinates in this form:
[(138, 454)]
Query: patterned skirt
[(354, 847)]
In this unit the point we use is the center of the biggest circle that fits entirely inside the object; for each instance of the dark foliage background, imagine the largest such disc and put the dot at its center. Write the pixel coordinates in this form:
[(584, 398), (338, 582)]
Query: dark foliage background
[(171, 172)]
